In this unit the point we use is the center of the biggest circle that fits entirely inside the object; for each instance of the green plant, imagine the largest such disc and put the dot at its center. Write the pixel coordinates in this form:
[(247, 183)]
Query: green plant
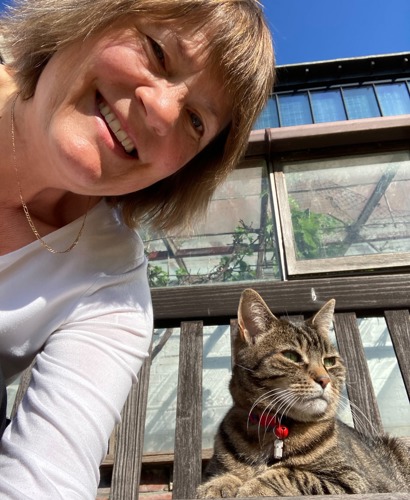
[(310, 230), (233, 267)]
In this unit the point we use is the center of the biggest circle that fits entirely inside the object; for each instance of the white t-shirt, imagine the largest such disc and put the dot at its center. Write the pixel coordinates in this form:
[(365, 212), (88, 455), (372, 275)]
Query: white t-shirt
[(87, 316)]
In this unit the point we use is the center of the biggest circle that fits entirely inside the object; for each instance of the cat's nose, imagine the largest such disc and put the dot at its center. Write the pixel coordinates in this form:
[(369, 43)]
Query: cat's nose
[(322, 381)]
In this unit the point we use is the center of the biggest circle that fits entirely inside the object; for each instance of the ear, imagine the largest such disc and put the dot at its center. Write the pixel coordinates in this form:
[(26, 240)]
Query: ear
[(254, 316), (322, 320)]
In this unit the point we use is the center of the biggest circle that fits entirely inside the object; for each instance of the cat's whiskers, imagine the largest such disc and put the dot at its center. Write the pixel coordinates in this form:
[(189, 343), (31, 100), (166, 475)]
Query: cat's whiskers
[(359, 416), (283, 400), (245, 368), (267, 410), (267, 395)]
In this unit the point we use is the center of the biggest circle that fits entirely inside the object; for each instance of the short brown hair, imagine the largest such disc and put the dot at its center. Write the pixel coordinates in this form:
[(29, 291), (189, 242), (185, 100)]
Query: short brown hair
[(240, 51)]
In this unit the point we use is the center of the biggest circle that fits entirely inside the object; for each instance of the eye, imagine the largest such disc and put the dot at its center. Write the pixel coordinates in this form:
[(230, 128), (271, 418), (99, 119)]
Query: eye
[(329, 361), (157, 50), (196, 123), (293, 356)]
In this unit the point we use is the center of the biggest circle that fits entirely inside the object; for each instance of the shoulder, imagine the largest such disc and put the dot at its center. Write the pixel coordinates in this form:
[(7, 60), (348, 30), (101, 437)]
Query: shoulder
[(106, 246)]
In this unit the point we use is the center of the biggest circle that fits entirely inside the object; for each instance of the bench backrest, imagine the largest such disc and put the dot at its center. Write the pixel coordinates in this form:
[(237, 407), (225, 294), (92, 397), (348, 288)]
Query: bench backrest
[(125, 449)]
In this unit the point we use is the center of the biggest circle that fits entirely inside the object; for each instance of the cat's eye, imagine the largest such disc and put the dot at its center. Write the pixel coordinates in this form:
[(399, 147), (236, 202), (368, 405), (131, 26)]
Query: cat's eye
[(329, 361), (293, 356)]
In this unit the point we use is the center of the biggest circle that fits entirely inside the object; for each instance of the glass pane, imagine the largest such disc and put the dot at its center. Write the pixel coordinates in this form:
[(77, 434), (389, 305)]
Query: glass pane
[(394, 99), (361, 102), (386, 377), (236, 242), (216, 376), (269, 116), (162, 391), (294, 109), (357, 205), (344, 412), (327, 106)]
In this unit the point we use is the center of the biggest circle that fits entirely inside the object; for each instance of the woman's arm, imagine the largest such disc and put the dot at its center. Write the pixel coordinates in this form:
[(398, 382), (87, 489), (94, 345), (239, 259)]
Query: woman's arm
[(80, 381)]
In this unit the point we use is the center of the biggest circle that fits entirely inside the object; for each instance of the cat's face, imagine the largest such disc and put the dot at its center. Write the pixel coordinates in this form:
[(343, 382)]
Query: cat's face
[(285, 369)]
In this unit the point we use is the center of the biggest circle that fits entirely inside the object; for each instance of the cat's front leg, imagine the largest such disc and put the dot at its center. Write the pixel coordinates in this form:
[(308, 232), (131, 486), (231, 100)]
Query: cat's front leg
[(224, 486), (268, 485), (282, 481)]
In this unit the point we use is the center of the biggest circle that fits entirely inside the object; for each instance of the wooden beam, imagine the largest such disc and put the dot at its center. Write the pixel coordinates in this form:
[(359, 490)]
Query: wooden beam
[(188, 432), (219, 302)]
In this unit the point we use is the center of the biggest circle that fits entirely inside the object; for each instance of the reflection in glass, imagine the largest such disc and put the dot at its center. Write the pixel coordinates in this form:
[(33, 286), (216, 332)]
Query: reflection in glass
[(394, 99), (294, 109), (216, 398), (327, 106), (385, 375), (236, 241), (361, 102), (269, 116), (344, 412), (162, 392), (356, 205), (161, 407)]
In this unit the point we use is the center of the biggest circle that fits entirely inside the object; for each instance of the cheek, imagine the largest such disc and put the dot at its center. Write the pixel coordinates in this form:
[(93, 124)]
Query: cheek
[(173, 155), (122, 56)]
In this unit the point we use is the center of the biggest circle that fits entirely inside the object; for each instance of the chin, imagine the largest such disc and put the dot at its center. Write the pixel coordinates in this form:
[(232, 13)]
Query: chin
[(308, 411)]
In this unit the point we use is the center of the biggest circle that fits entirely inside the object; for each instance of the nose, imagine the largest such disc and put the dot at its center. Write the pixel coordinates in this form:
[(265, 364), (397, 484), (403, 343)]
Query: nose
[(162, 103), (322, 380)]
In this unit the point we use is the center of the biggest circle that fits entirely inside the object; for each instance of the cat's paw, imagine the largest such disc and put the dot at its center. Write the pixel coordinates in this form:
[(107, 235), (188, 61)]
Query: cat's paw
[(255, 488), (225, 486)]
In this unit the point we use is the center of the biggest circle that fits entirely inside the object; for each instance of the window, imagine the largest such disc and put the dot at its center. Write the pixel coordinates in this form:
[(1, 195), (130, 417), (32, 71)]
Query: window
[(347, 212), (294, 109), (269, 116), (360, 102), (236, 242), (331, 104), (327, 106), (386, 376), (161, 410), (394, 99)]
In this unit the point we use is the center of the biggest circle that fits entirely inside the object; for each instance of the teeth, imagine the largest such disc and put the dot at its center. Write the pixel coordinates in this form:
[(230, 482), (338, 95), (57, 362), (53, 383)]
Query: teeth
[(115, 127)]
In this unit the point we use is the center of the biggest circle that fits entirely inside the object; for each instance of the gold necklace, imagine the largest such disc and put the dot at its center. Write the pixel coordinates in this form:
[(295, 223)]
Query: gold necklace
[(23, 204)]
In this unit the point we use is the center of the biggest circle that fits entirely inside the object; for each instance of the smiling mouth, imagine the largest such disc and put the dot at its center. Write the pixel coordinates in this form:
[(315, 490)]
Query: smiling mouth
[(114, 125)]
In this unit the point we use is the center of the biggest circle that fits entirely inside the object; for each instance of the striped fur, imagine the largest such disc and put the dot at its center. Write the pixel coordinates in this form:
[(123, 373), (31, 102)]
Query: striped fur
[(280, 371)]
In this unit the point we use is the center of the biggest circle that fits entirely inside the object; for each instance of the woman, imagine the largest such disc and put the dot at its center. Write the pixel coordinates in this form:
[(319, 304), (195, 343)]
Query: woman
[(113, 113)]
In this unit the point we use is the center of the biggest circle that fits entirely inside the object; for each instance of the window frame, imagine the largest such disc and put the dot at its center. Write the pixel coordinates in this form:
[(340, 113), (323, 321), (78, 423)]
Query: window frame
[(372, 135)]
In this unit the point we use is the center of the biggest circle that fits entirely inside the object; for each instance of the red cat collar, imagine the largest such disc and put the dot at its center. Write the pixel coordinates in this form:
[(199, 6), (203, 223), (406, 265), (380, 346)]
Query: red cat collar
[(271, 422)]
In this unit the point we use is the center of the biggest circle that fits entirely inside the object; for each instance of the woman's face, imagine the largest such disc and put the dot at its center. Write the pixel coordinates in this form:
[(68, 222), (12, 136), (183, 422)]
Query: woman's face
[(126, 109)]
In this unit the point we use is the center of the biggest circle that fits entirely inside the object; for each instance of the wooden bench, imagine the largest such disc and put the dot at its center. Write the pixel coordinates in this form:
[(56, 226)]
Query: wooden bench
[(191, 307)]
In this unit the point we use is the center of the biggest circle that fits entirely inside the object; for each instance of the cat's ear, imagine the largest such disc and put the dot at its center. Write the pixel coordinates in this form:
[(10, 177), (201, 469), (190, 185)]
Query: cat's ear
[(322, 320), (254, 316)]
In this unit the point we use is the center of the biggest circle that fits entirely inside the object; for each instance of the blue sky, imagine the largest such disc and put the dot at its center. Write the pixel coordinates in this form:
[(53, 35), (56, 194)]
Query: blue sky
[(316, 30)]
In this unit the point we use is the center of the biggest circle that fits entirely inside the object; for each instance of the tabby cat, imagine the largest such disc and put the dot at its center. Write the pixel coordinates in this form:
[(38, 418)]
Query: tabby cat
[(281, 437)]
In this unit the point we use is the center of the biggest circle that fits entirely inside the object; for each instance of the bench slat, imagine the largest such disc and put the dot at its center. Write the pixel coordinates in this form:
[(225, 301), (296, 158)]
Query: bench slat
[(398, 323), (129, 441), (188, 434), (358, 382)]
